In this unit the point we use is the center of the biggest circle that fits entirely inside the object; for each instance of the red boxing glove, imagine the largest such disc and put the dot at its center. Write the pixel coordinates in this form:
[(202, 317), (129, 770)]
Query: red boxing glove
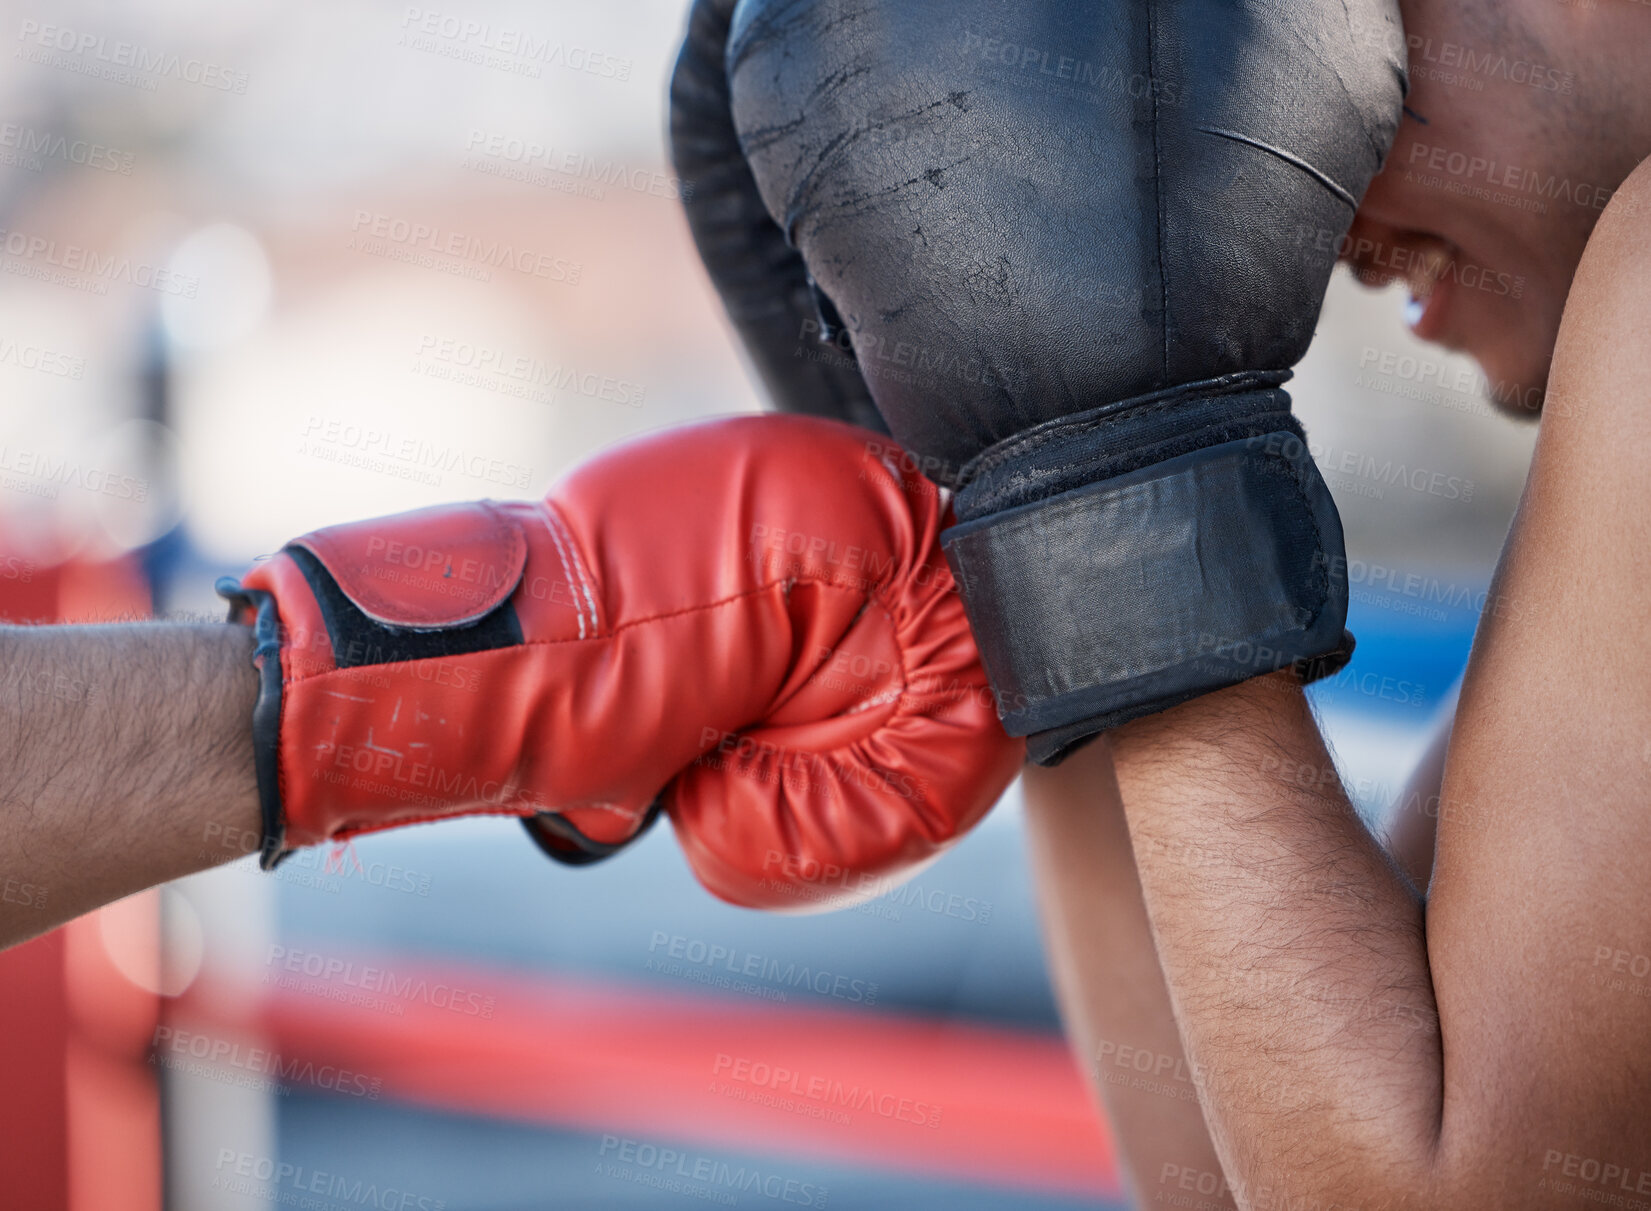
[(748, 622)]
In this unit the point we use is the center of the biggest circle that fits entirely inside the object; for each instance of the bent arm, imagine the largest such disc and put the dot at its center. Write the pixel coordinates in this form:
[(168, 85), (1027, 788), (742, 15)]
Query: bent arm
[(125, 761), (1109, 983), (1490, 1053), (1105, 968)]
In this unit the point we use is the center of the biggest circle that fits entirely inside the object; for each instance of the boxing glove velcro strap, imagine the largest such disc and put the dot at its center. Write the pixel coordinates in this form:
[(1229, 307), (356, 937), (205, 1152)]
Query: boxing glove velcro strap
[(1129, 595)]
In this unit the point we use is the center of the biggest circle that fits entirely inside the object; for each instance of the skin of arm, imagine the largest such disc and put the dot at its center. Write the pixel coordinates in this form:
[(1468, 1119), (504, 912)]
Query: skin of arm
[(1412, 824), (1105, 969), (125, 761), (1109, 984), (1355, 1051)]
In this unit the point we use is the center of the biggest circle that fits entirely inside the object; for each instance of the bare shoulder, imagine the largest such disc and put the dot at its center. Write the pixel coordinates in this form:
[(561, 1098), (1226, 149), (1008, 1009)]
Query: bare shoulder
[(1601, 379), (1613, 283)]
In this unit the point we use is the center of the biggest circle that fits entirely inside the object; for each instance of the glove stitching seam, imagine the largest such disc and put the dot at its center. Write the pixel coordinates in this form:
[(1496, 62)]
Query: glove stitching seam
[(1016, 447), (1157, 186), (557, 533), (578, 563), (562, 557), (1090, 426)]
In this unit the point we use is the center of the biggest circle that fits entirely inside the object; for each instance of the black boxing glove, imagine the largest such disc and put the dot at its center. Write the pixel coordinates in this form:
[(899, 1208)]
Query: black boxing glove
[(1077, 226), (805, 363)]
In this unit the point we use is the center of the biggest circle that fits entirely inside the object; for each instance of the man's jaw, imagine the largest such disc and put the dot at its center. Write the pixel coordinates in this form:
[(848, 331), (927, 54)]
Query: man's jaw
[(1426, 264)]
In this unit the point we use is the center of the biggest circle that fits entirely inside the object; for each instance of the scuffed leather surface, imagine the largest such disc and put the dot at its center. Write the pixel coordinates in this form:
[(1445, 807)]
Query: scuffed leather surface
[(763, 282), (749, 619), (1093, 227), (1082, 248), (1214, 573)]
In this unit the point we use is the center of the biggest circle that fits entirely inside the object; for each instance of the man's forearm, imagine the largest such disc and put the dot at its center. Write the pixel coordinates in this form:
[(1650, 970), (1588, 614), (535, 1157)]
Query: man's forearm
[(1294, 950), (1351, 1055), (1109, 983), (125, 751)]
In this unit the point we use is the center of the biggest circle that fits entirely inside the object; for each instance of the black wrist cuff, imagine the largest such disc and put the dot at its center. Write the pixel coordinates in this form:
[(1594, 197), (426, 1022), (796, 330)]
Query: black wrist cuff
[(257, 608), (1130, 594)]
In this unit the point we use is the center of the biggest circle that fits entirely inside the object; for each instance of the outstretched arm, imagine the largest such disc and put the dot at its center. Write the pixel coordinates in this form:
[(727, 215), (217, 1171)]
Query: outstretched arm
[(1355, 1051), (125, 761)]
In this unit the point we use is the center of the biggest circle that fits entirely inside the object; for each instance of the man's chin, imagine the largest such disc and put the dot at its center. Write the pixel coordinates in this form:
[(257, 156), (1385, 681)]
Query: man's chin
[(1513, 357), (1514, 386)]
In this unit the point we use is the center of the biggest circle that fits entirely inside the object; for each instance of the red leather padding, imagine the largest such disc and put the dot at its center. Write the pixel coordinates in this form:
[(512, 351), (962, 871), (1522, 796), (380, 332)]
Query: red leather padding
[(428, 569), (751, 617)]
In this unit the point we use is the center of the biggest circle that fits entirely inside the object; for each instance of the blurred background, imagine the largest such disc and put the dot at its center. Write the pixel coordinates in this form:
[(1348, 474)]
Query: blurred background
[(250, 285)]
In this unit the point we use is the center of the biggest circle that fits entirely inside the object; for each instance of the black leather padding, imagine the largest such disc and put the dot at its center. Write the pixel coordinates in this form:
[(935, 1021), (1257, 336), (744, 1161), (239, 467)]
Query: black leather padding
[(1134, 593), (256, 608), (556, 836)]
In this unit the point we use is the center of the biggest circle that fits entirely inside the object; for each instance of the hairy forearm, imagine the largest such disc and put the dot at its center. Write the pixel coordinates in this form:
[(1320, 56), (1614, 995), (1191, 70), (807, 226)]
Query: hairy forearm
[(1110, 986), (125, 754), (1294, 950), (1495, 1056)]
